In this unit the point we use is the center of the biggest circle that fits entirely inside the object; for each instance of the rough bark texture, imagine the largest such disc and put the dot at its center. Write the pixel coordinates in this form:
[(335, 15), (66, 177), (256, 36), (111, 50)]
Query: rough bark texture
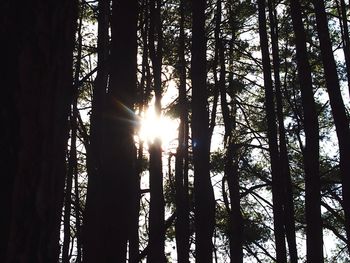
[(314, 241), (277, 180), (203, 191), (9, 133), (41, 68)]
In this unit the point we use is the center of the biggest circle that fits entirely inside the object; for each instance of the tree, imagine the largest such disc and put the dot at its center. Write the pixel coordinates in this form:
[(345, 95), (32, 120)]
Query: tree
[(42, 36), (284, 160), (277, 180), (314, 242), (109, 217), (181, 164), (203, 191), (341, 120)]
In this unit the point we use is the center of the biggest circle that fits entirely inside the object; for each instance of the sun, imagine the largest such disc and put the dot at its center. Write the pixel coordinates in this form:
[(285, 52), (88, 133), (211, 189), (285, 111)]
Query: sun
[(162, 127)]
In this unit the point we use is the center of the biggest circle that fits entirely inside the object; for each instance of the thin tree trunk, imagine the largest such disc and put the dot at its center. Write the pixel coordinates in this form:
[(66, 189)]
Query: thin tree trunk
[(157, 213), (284, 162), (277, 182), (77, 208), (182, 228), (314, 243), (72, 161), (341, 120), (203, 191), (231, 167)]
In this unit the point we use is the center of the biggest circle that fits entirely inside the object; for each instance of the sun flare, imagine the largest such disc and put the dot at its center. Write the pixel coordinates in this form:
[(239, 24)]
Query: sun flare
[(162, 127)]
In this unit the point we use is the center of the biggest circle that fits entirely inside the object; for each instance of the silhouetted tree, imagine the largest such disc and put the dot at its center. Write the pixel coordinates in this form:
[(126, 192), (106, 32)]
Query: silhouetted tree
[(182, 227), (277, 180), (314, 243), (340, 117), (108, 219), (203, 191)]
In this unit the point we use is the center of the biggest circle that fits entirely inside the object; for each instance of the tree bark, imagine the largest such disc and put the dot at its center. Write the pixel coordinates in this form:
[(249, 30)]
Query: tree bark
[(9, 133), (45, 32)]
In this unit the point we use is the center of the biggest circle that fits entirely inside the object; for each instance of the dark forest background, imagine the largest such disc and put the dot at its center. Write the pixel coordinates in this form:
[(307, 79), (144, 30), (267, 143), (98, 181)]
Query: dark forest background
[(260, 170)]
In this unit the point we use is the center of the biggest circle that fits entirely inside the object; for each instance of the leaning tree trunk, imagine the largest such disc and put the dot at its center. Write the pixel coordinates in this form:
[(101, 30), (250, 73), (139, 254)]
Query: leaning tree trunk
[(42, 79), (314, 243), (341, 120), (203, 191), (277, 180)]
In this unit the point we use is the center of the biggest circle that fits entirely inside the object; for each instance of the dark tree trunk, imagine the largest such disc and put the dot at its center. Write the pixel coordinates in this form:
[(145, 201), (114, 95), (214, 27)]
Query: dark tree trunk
[(284, 162), (203, 190), (9, 132), (109, 217), (42, 82), (94, 151), (314, 241), (182, 227), (156, 214), (277, 180), (341, 120)]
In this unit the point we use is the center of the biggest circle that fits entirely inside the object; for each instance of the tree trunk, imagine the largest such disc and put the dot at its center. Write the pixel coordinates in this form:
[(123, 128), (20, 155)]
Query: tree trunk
[(341, 120), (94, 151), (231, 165), (284, 162), (110, 215), (277, 180), (203, 190), (9, 133), (157, 213), (182, 227), (43, 95), (314, 241)]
